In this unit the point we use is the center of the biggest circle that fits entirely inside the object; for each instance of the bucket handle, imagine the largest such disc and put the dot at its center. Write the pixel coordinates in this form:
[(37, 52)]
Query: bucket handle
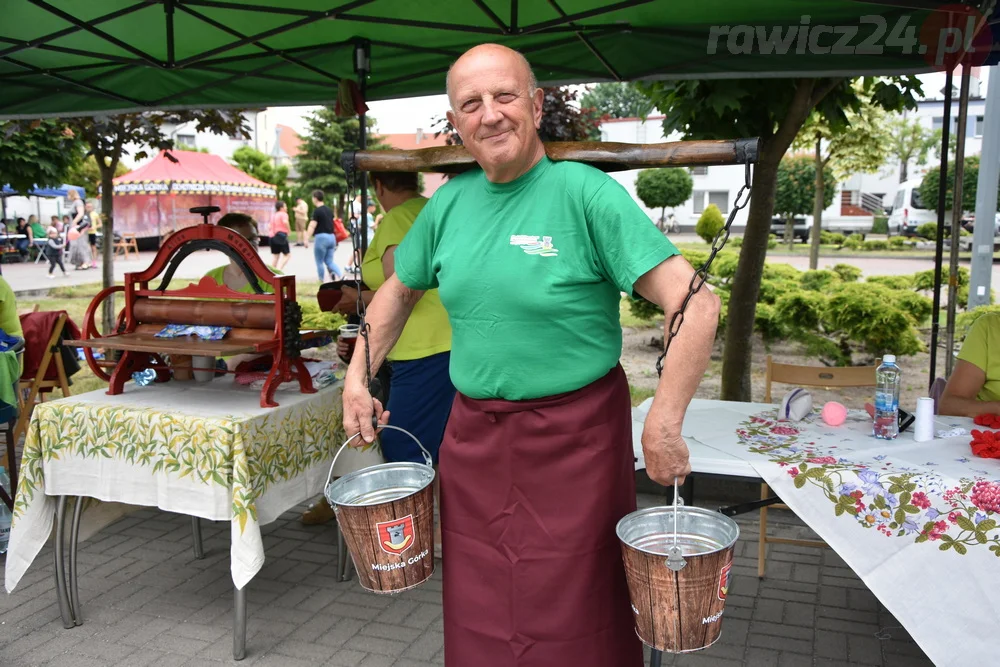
[(675, 559), (427, 455)]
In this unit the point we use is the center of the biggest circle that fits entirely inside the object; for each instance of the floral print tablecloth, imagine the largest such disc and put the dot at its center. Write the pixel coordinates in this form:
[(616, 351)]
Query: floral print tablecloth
[(918, 522), (203, 449)]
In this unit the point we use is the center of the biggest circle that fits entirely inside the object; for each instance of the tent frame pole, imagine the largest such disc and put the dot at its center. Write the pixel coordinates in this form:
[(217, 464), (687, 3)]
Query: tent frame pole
[(939, 245), (957, 207), (362, 67)]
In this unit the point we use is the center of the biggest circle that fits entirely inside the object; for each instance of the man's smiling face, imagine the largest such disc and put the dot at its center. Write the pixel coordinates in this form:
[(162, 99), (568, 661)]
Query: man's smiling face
[(495, 110)]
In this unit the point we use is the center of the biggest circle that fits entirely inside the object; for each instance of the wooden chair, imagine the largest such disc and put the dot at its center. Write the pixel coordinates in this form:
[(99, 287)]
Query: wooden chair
[(32, 388), (127, 244), (803, 376)]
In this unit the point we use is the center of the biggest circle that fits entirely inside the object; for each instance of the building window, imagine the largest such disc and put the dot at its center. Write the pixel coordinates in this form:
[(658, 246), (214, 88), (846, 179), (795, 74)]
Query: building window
[(979, 126), (937, 123), (186, 140), (698, 201), (720, 199), (699, 171)]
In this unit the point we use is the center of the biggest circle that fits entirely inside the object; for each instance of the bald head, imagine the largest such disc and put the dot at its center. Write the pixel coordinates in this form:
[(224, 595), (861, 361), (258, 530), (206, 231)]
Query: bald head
[(491, 54)]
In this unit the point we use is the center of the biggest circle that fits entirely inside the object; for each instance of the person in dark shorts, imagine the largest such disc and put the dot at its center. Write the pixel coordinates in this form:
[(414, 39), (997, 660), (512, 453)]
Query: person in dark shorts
[(280, 230)]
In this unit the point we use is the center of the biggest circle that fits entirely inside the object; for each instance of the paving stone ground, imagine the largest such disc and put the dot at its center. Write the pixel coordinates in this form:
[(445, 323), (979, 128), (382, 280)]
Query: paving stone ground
[(147, 601)]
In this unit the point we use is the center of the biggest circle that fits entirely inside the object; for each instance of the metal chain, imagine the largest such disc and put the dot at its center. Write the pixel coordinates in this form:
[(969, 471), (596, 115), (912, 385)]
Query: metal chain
[(356, 230), (701, 275)]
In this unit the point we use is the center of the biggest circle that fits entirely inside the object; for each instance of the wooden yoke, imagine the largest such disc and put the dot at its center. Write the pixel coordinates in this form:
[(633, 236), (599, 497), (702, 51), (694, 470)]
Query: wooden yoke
[(261, 323), (606, 156)]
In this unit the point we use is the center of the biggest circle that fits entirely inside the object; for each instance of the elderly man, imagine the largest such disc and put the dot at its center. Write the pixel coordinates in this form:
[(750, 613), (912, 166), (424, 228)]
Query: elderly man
[(530, 257)]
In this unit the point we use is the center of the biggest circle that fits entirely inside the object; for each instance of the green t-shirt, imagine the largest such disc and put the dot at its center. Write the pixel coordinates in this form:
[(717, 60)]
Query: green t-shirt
[(531, 274), (982, 348), (427, 331), (38, 231), (10, 322)]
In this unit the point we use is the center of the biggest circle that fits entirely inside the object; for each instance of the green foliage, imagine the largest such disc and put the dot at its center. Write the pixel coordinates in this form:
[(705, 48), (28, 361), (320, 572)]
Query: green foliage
[(709, 224), (314, 318), (819, 280), (908, 141), (870, 315), (970, 182), (39, 154), (660, 188), (854, 242), (617, 100), (724, 265), (880, 225), (767, 323), (736, 241), (831, 238), (898, 243), (847, 272), (318, 161), (781, 272), (876, 244), (695, 258), (796, 186), (892, 282), (917, 306), (924, 280), (928, 230), (642, 309), (772, 290), (802, 310), (84, 171), (259, 165)]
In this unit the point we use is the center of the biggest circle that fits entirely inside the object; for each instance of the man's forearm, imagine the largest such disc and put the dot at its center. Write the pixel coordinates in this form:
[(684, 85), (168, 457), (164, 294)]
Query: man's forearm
[(386, 317), (690, 353)]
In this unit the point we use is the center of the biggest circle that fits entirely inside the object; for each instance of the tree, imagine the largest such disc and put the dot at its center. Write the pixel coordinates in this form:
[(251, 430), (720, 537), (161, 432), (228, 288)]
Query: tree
[(259, 165), (36, 154), (617, 100), (908, 141), (318, 161), (660, 188), (106, 138), (855, 143), (773, 110), (970, 184), (795, 190), (85, 172)]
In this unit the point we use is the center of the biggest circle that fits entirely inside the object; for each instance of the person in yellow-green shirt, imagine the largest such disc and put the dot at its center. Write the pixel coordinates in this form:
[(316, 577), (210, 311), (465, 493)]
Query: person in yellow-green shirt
[(421, 392), (974, 386), (231, 275)]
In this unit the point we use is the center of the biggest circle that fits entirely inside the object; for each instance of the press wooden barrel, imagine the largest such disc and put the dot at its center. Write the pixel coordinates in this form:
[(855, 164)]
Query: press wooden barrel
[(205, 313), (678, 611), (607, 156)]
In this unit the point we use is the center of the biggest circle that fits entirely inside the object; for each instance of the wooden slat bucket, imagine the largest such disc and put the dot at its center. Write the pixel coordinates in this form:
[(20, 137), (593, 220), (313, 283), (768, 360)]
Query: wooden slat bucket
[(386, 515), (678, 600)]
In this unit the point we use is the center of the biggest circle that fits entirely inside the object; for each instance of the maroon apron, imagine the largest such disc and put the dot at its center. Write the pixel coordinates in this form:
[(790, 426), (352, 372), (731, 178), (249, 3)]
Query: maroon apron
[(530, 495)]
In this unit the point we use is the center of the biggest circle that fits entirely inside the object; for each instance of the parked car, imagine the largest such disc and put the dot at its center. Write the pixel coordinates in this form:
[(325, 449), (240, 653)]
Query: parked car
[(909, 210), (800, 228), (969, 223)]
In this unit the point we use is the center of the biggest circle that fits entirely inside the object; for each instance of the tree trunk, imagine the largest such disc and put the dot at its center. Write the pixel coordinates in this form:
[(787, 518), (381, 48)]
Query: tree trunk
[(817, 228), (746, 282), (790, 230), (108, 245), (903, 169)]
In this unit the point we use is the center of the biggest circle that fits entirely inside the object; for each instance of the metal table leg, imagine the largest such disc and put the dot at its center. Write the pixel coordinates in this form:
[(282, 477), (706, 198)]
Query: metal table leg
[(199, 549), (239, 623), (655, 657), (65, 610), (74, 539)]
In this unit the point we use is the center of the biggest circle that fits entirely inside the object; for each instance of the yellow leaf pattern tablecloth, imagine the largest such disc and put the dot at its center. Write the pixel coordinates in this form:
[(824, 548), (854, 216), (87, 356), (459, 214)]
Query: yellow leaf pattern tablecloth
[(203, 449)]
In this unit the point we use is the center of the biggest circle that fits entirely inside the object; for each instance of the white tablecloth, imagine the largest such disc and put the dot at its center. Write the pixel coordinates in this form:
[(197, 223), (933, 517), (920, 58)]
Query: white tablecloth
[(918, 522), (203, 449)]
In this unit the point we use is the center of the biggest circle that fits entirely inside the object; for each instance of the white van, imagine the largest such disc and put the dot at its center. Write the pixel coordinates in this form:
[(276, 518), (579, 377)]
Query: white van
[(909, 211)]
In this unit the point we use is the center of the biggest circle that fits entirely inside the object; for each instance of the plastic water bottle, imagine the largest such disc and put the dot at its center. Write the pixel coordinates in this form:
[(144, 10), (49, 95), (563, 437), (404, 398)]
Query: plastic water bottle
[(4, 513), (887, 381), (144, 378)]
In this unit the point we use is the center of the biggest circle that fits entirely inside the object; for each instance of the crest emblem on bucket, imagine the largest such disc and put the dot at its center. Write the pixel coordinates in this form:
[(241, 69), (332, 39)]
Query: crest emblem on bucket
[(724, 580), (395, 536)]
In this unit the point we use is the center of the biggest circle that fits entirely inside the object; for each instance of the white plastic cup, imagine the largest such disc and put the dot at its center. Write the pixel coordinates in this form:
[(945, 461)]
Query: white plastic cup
[(204, 368), (923, 428)]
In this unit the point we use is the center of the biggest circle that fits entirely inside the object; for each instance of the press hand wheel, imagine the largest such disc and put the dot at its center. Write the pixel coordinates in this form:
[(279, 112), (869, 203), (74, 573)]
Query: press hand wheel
[(91, 331)]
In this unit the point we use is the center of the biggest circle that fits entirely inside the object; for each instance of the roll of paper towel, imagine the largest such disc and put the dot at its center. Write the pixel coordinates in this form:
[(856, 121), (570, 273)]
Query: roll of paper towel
[(923, 428)]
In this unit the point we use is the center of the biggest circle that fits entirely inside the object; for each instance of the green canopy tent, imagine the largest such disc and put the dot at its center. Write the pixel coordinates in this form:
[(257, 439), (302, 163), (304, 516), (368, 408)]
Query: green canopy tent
[(60, 57)]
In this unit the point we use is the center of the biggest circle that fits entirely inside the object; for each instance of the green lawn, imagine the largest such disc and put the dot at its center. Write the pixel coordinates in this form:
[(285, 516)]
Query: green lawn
[(830, 251)]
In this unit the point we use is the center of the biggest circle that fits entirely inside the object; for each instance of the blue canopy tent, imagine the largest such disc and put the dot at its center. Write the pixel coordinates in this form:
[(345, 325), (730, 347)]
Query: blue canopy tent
[(61, 191)]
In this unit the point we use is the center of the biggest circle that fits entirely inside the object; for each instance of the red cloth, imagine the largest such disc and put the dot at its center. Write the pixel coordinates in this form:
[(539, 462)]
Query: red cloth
[(531, 492), (37, 330)]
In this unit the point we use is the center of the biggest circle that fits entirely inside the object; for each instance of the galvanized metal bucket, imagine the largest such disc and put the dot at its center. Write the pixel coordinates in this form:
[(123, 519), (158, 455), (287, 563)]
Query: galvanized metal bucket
[(386, 515), (678, 561)]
